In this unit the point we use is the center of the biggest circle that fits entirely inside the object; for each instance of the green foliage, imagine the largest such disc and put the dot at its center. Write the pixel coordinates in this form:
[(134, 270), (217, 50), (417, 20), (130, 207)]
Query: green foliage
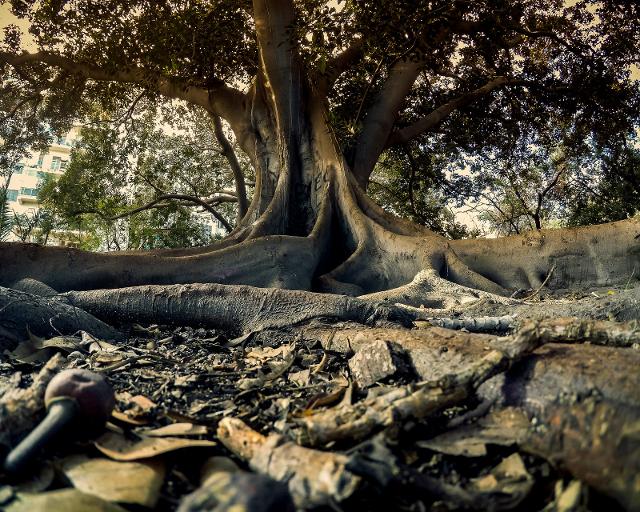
[(6, 217), (424, 195), (616, 196), (113, 171), (569, 63), (35, 227)]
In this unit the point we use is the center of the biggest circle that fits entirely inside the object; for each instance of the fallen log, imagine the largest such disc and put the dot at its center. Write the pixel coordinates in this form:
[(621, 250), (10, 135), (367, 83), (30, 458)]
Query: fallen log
[(314, 478), (582, 400)]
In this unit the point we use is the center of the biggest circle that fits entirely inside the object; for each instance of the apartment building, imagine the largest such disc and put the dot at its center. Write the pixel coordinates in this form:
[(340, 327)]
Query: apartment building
[(27, 175)]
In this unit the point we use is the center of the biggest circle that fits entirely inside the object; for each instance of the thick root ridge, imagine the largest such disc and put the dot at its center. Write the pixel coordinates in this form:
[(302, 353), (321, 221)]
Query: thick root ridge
[(430, 291), (237, 308), (21, 313), (601, 255), (277, 261)]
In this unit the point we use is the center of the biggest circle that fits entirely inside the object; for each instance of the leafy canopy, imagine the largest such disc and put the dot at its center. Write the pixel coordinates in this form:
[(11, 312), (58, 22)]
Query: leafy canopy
[(491, 74)]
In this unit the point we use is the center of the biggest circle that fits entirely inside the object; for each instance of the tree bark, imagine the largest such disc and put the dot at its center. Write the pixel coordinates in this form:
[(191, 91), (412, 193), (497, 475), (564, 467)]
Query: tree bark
[(310, 226)]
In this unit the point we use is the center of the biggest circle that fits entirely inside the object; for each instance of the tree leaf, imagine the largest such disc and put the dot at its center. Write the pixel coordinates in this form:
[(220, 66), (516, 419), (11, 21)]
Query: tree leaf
[(125, 482), (177, 429), (64, 500), (118, 447)]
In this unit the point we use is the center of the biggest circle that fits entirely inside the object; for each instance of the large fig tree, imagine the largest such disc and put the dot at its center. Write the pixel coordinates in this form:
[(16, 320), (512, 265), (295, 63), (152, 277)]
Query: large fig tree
[(315, 92)]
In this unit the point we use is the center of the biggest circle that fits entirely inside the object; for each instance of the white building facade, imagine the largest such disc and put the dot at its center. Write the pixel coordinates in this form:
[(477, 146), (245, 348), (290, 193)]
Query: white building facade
[(27, 175)]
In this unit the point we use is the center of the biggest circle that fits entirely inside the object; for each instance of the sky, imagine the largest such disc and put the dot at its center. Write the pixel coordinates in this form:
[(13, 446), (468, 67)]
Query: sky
[(6, 18)]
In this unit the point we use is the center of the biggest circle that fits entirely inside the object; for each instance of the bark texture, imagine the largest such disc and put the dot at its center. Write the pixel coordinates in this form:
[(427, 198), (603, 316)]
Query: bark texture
[(21, 313), (580, 400)]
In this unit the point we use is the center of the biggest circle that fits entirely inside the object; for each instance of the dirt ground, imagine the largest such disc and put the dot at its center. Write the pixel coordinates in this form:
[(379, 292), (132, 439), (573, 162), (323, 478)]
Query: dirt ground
[(194, 377)]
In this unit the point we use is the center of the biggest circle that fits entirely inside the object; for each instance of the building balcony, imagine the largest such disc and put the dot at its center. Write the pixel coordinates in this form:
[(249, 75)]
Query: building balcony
[(27, 199)]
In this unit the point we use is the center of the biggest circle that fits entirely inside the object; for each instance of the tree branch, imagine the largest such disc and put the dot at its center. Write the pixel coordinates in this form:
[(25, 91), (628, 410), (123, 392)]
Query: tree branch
[(183, 197), (341, 62), (436, 117), (381, 117), (238, 175), (221, 98)]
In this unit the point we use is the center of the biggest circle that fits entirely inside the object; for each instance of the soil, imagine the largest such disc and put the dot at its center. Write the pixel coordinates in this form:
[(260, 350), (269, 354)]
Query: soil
[(199, 376)]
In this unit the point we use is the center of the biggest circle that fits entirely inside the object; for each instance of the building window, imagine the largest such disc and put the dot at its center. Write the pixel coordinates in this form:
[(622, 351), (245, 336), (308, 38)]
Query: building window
[(40, 159), (55, 163), (26, 191), (18, 168), (12, 195)]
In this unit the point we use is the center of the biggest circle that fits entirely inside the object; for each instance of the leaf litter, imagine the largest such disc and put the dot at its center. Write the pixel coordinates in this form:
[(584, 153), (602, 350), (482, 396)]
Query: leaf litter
[(202, 418)]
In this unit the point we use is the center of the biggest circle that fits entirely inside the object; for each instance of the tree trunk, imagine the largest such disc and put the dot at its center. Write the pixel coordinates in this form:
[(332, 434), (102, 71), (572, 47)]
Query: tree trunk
[(310, 226)]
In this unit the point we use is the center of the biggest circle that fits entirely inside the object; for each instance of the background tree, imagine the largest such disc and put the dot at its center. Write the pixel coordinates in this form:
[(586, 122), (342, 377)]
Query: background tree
[(615, 195), (139, 183), (315, 94)]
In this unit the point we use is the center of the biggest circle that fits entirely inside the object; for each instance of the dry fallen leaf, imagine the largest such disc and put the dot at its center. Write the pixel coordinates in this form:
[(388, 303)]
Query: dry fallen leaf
[(143, 402), (176, 429), (120, 448), (63, 500), (125, 418), (124, 482), (38, 350)]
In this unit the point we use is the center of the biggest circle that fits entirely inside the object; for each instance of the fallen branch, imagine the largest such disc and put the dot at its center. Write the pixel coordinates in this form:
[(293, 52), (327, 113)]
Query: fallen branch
[(234, 490), (546, 280), (443, 390), (314, 478), (580, 400), (409, 402)]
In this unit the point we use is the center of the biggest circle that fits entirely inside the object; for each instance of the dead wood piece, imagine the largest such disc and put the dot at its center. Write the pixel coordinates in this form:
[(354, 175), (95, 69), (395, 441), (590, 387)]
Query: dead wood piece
[(44, 317), (314, 478), (490, 324), (410, 402), (22, 409), (234, 307), (432, 352), (503, 427), (238, 491), (373, 365), (582, 400)]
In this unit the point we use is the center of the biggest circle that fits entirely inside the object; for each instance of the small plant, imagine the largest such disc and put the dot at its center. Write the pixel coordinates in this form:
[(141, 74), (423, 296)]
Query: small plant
[(6, 216)]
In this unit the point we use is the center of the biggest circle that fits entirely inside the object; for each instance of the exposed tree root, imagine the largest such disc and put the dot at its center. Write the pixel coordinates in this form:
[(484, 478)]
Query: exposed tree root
[(582, 400), (487, 324), (236, 308), (603, 304), (601, 255), (429, 290), (23, 312)]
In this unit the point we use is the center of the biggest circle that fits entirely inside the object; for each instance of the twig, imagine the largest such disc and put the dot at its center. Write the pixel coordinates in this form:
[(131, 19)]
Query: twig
[(542, 285)]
